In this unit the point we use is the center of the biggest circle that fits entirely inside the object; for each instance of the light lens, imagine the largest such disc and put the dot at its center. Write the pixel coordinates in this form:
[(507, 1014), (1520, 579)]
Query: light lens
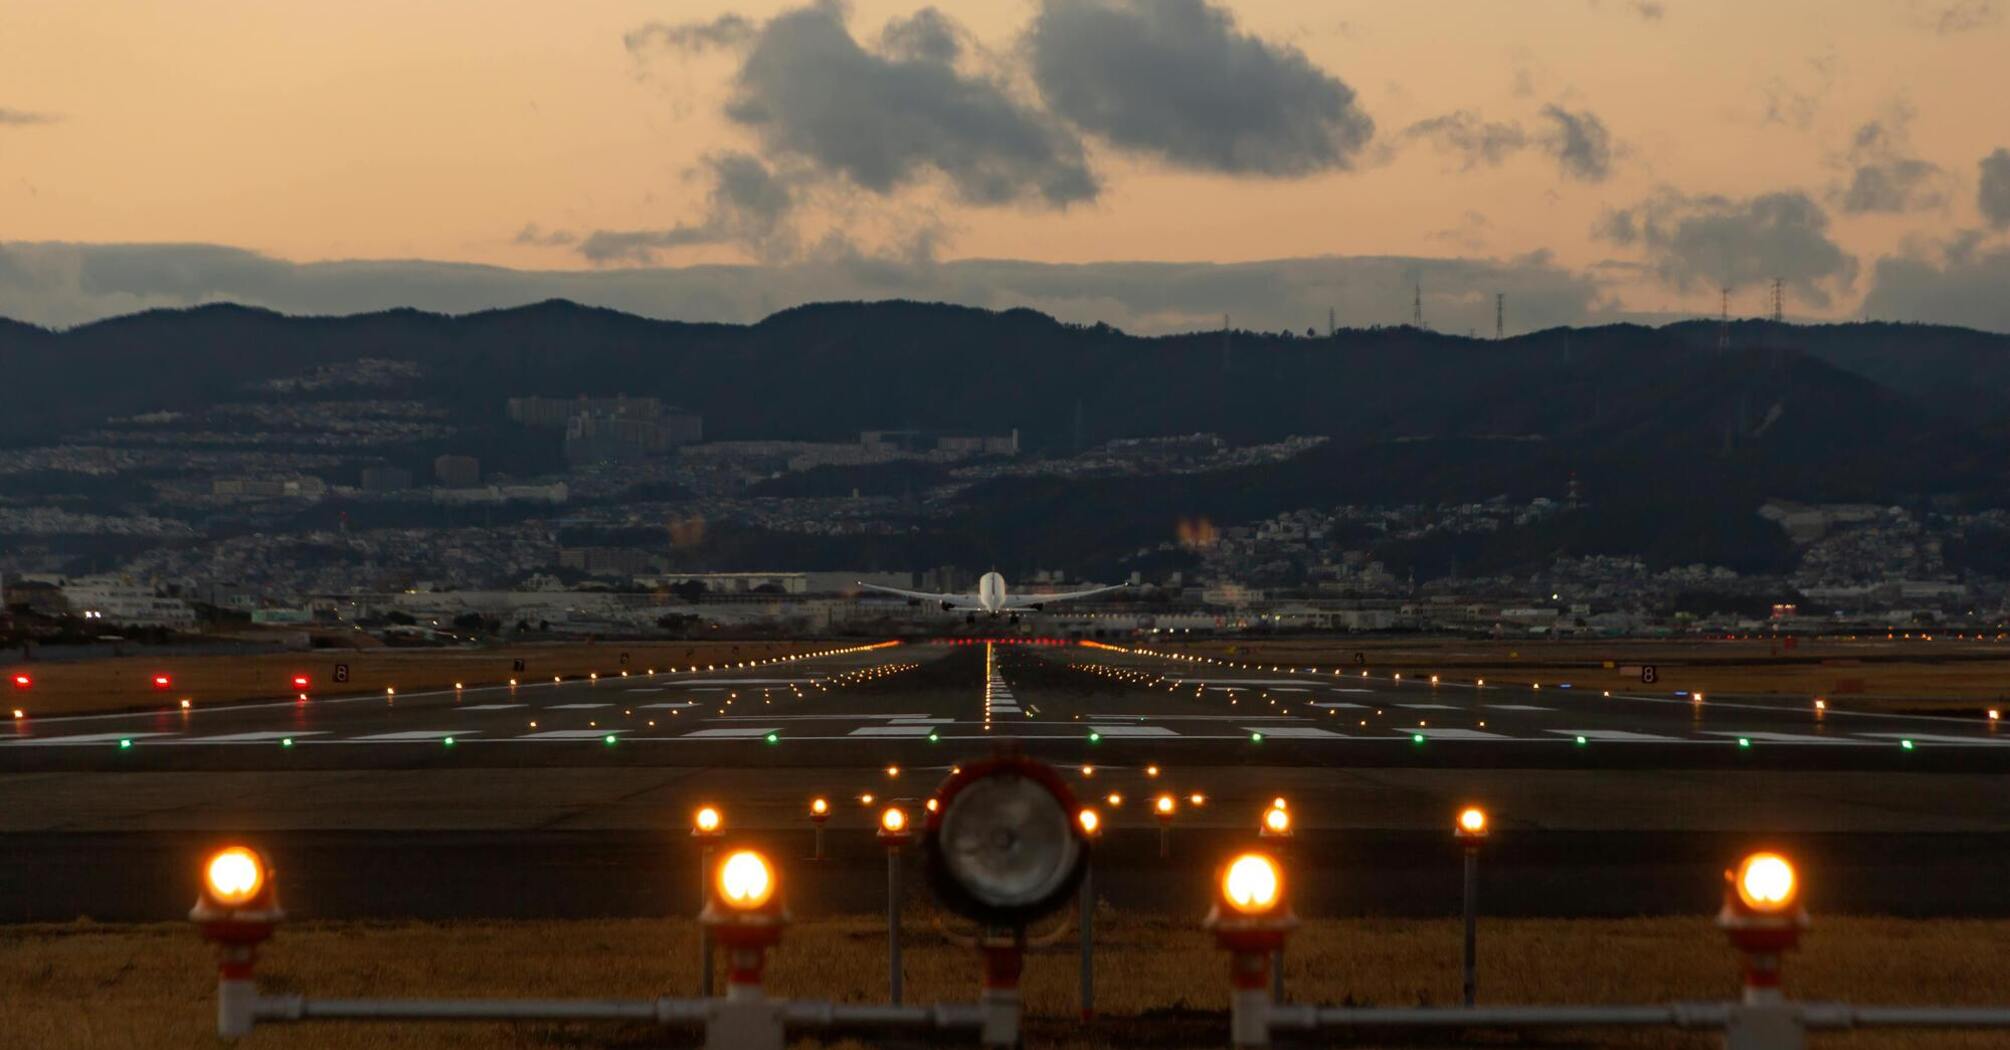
[(819, 807), (707, 820), (1252, 884), (1766, 882), (1276, 821), (234, 875), (1473, 820), (1089, 821), (1008, 843), (894, 820), (745, 880)]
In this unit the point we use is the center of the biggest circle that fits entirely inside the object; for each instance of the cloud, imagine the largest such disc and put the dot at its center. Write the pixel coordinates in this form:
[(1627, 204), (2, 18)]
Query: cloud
[(726, 31), (1651, 10), (811, 94), (1580, 143), (1957, 16), (1993, 194), (22, 117), (537, 236), (1708, 241), (1884, 176), (1176, 79), (925, 36), (749, 205), (68, 284), (1475, 141), (1963, 286)]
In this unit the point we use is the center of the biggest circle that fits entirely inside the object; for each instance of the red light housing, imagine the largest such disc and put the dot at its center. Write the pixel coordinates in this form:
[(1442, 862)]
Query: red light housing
[(22, 681), (162, 681), (300, 681)]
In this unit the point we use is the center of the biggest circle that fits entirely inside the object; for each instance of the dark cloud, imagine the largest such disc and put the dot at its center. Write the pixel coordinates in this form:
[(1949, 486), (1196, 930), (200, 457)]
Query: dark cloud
[(749, 205), (925, 36), (813, 95), (1651, 10), (22, 117), (1963, 286), (1993, 194), (726, 31), (1178, 80), (66, 284), (1704, 242), (1884, 176), (1475, 141), (1580, 143)]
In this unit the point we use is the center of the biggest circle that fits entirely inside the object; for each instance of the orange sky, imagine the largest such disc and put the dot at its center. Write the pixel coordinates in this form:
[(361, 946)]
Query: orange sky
[(436, 130)]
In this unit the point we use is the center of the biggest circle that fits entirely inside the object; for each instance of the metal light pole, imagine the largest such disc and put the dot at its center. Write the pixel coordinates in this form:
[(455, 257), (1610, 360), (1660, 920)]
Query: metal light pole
[(707, 827), (820, 811), (1163, 808), (1471, 831), (1085, 911), (1276, 826), (893, 831)]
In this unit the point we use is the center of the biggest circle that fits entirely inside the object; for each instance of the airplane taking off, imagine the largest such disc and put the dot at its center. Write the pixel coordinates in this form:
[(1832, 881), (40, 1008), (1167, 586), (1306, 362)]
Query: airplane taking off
[(991, 596)]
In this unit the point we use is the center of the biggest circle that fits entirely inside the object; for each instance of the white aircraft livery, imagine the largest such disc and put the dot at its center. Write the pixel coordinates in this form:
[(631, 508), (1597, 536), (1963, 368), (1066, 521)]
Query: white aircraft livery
[(991, 596)]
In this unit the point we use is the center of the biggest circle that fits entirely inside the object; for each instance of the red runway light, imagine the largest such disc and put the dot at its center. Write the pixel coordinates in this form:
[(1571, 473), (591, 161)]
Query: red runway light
[(300, 681), (162, 681), (22, 681)]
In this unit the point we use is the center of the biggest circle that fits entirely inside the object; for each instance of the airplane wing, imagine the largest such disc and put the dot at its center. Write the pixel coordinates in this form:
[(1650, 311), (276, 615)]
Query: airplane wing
[(1025, 601), (948, 601)]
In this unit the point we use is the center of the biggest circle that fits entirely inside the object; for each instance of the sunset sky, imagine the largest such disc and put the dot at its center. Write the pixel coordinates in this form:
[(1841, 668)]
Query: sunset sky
[(1595, 159)]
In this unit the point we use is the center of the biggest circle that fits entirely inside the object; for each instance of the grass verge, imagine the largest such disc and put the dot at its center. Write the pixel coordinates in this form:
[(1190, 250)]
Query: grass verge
[(1160, 983)]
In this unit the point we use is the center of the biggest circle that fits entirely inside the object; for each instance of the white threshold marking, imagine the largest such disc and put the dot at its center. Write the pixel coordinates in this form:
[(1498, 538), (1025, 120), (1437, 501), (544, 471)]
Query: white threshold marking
[(82, 739), (1132, 730), (571, 734), (1612, 734), (1428, 707), (261, 737), (414, 734), (576, 707), (1787, 738), (1937, 738), (1339, 705), (490, 707), (676, 706), (892, 731), (1514, 707), (735, 732), (1450, 734), (1293, 732)]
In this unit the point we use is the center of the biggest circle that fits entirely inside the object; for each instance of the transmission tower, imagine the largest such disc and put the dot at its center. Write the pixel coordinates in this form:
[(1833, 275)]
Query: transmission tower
[(1332, 327), (1227, 356), (1500, 315), (1417, 306), (1779, 300), (1724, 321)]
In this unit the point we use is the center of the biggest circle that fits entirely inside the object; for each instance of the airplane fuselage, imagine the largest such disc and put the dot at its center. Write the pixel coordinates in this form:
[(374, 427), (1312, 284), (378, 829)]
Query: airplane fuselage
[(991, 592)]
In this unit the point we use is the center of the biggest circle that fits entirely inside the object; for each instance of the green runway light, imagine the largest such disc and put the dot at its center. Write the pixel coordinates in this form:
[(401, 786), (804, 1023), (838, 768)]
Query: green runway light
[(936, 738), (1582, 741), (1744, 741), (125, 744), (286, 742), (1906, 744), (447, 742), (1256, 738), (772, 738), (1095, 738), (1416, 738), (608, 739)]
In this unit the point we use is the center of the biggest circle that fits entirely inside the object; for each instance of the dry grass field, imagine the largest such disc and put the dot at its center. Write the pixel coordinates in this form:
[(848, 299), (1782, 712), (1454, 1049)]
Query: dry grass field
[(122, 683), (1964, 675), (1160, 984)]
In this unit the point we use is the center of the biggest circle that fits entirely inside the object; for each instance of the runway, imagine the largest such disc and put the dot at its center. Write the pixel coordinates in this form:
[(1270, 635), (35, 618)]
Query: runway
[(920, 704), (571, 797)]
